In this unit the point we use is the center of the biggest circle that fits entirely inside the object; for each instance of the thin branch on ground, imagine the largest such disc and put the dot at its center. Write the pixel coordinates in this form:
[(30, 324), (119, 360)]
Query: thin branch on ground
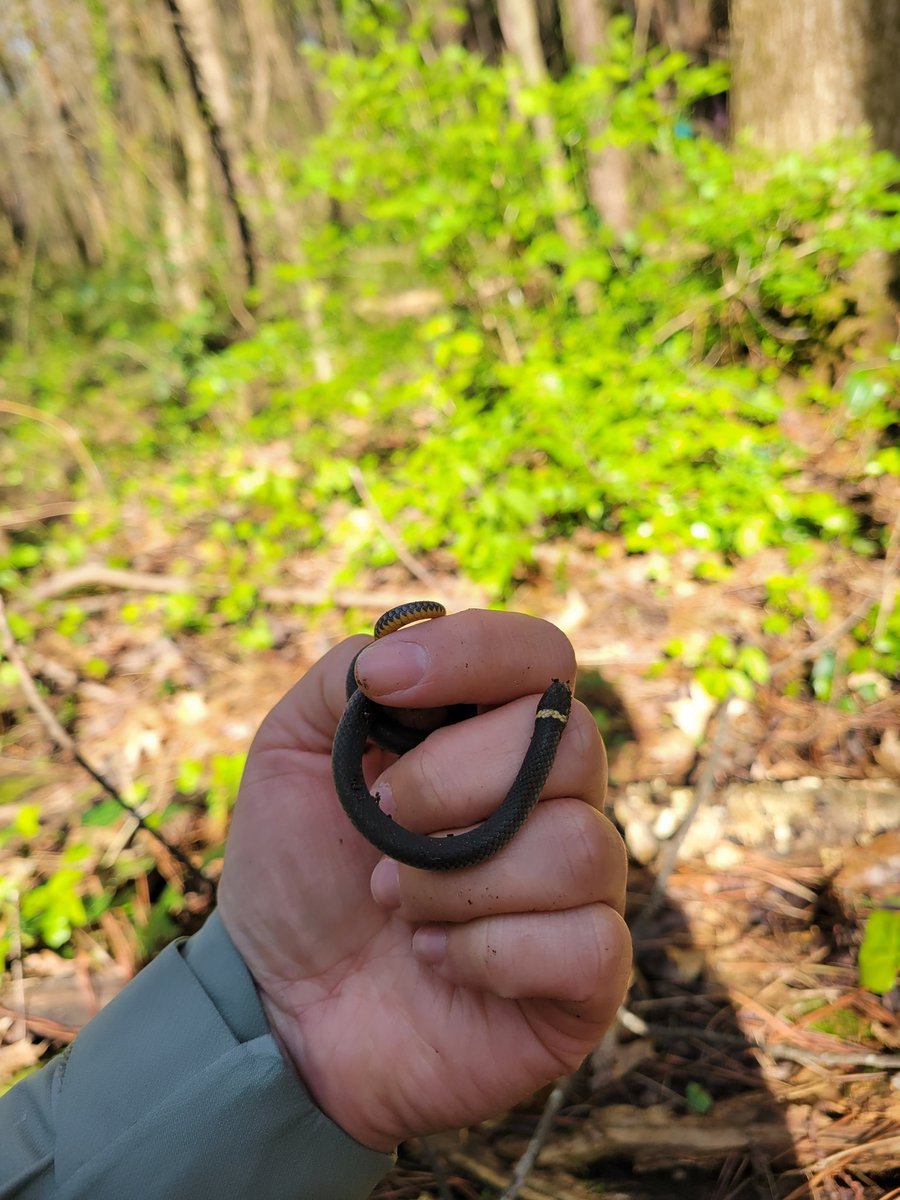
[(888, 581), (43, 512), (829, 1058), (64, 741), (42, 1026), (703, 790), (390, 536), (525, 1164), (779, 1050), (885, 604), (98, 575), (468, 1164), (19, 1028), (887, 1147), (67, 432)]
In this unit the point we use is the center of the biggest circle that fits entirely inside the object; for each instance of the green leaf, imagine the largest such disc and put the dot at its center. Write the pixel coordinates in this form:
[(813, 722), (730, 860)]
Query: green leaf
[(190, 773), (27, 821), (107, 812), (721, 650), (822, 675), (753, 662), (751, 536), (879, 954), (698, 1098)]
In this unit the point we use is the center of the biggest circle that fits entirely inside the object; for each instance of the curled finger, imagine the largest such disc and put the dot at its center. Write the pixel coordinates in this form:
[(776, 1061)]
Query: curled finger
[(579, 958)]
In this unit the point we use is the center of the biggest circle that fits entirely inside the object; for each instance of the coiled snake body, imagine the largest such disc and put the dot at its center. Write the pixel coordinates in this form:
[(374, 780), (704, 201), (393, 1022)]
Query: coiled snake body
[(363, 720)]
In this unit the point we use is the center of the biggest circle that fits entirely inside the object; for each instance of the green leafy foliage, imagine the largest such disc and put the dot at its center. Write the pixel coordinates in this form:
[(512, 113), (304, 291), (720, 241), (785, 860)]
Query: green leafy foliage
[(721, 667), (54, 908)]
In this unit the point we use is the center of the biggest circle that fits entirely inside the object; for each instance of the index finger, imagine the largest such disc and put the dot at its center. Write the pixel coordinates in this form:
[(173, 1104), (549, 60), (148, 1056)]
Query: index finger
[(472, 657)]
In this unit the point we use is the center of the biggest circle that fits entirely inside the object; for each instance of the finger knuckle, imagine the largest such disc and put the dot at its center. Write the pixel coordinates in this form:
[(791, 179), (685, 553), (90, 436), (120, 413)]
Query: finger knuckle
[(589, 956), (578, 850), (583, 742), (425, 773)]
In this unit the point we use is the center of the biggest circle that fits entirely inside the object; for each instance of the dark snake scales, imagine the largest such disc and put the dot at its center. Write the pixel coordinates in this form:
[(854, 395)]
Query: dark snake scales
[(364, 721)]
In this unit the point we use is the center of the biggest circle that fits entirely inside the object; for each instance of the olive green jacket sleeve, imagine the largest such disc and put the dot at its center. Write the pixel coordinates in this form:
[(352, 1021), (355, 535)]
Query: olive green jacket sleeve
[(177, 1091)]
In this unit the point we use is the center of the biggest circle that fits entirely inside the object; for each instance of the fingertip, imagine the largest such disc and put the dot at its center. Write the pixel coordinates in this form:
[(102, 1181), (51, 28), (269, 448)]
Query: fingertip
[(429, 944), (385, 884), (391, 665)]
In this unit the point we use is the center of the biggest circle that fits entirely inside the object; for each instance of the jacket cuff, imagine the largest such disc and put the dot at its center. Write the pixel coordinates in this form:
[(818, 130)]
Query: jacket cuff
[(177, 1089)]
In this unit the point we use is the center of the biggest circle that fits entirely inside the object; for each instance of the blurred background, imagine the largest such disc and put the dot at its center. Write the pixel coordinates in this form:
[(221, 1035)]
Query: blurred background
[(586, 308)]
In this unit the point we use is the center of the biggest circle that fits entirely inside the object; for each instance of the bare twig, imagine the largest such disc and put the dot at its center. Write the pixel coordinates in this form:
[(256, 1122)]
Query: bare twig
[(885, 605), (64, 741), (67, 432), (525, 1164), (778, 1050), (42, 1026), (393, 540), (888, 581), (829, 1058), (511, 350), (805, 653), (19, 1028), (97, 575), (44, 512), (886, 1147), (702, 791), (782, 333), (471, 1165)]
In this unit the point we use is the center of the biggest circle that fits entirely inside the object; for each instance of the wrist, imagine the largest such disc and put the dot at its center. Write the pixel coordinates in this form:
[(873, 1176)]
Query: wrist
[(345, 1102)]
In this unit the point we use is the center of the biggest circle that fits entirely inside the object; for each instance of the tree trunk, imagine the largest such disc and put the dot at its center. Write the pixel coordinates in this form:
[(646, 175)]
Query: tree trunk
[(161, 151), (82, 203), (805, 73), (585, 23), (682, 24), (519, 25), (196, 26)]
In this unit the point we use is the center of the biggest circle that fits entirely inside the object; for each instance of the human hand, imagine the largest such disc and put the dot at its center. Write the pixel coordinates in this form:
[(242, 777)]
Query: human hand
[(412, 1001)]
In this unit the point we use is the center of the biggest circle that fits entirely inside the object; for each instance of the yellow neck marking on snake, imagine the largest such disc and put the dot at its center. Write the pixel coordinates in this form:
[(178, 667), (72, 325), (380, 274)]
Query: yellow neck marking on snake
[(551, 712)]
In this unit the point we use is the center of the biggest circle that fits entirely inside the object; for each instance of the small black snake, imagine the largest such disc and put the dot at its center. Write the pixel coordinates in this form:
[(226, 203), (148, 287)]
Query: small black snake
[(363, 720)]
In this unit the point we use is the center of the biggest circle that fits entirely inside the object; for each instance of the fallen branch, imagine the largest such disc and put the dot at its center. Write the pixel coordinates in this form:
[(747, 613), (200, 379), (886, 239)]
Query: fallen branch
[(42, 1026), (832, 1058), (469, 1165), (64, 741), (778, 1050), (656, 1137), (44, 512), (67, 432), (96, 575)]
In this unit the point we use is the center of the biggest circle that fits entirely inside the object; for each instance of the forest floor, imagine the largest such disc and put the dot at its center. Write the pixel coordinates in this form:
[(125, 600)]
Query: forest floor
[(747, 1061)]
